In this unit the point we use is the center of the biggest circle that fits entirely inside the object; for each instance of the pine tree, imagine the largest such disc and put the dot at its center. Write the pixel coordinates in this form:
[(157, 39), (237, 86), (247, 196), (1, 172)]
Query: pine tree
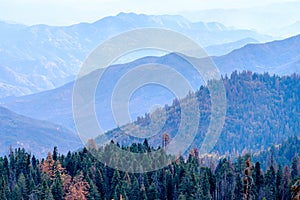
[(286, 183), (238, 188), (279, 178), (115, 182), (146, 146), (47, 166), (77, 189), (199, 193), (30, 185), (186, 186), (16, 193), (117, 192), (100, 183), (33, 162), (44, 190), (12, 170), (94, 194), (55, 153), (152, 192), (48, 194), (134, 190), (22, 186), (258, 180), (4, 190), (205, 186), (182, 197), (57, 187), (294, 168), (143, 193), (270, 183)]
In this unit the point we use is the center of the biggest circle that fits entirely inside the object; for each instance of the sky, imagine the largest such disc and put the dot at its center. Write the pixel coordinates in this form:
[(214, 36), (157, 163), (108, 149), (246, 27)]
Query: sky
[(66, 12)]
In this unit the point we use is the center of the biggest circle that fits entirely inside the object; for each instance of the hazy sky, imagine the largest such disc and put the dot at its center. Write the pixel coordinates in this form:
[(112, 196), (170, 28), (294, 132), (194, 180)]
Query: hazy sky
[(65, 12)]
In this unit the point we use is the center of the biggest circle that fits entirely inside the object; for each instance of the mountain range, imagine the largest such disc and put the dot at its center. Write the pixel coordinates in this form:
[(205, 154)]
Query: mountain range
[(278, 57), (274, 18), (40, 57)]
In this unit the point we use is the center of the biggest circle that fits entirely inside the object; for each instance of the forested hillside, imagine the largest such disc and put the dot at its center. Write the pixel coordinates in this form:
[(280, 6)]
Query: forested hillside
[(280, 154), (262, 110), (79, 175), (262, 114)]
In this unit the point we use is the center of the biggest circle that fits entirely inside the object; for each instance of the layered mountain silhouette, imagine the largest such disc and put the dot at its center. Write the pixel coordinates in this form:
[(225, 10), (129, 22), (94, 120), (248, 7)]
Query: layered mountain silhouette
[(40, 57), (278, 57)]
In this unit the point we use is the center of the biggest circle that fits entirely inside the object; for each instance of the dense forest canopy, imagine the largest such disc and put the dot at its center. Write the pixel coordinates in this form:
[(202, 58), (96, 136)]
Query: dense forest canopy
[(261, 129), (79, 175), (262, 110)]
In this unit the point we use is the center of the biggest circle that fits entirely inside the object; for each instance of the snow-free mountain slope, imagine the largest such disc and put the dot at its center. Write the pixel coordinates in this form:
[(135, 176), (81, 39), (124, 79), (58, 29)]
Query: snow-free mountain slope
[(36, 136), (44, 57), (279, 57)]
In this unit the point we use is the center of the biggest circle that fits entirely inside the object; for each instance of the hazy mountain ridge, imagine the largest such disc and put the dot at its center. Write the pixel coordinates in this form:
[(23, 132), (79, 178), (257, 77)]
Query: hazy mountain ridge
[(60, 108), (36, 136), (278, 57), (44, 57), (219, 50), (268, 17), (56, 105)]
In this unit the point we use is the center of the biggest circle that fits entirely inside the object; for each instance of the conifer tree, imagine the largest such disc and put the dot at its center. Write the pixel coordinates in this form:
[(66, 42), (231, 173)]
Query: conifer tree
[(294, 168), (279, 179), (57, 187), (258, 180), (205, 187), (270, 183)]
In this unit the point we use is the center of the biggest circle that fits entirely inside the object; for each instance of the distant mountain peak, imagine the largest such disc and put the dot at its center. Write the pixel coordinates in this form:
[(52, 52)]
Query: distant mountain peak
[(26, 50)]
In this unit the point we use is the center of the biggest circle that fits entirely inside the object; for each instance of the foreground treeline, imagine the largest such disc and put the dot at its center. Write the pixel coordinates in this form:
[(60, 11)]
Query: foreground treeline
[(79, 175)]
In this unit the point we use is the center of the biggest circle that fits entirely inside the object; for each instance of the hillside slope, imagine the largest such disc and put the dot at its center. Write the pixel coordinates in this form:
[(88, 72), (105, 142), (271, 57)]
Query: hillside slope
[(42, 57), (37, 136), (279, 57), (262, 110)]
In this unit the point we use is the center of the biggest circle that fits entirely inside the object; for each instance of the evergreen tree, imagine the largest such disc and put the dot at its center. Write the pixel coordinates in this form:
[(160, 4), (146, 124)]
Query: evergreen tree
[(182, 179), (199, 193), (238, 188), (294, 168), (57, 187), (115, 182), (134, 190), (55, 153), (100, 183), (4, 189), (286, 183), (258, 180), (270, 183), (94, 194), (22, 186), (48, 194), (182, 197), (152, 192), (279, 179), (17, 193), (44, 191), (205, 187)]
